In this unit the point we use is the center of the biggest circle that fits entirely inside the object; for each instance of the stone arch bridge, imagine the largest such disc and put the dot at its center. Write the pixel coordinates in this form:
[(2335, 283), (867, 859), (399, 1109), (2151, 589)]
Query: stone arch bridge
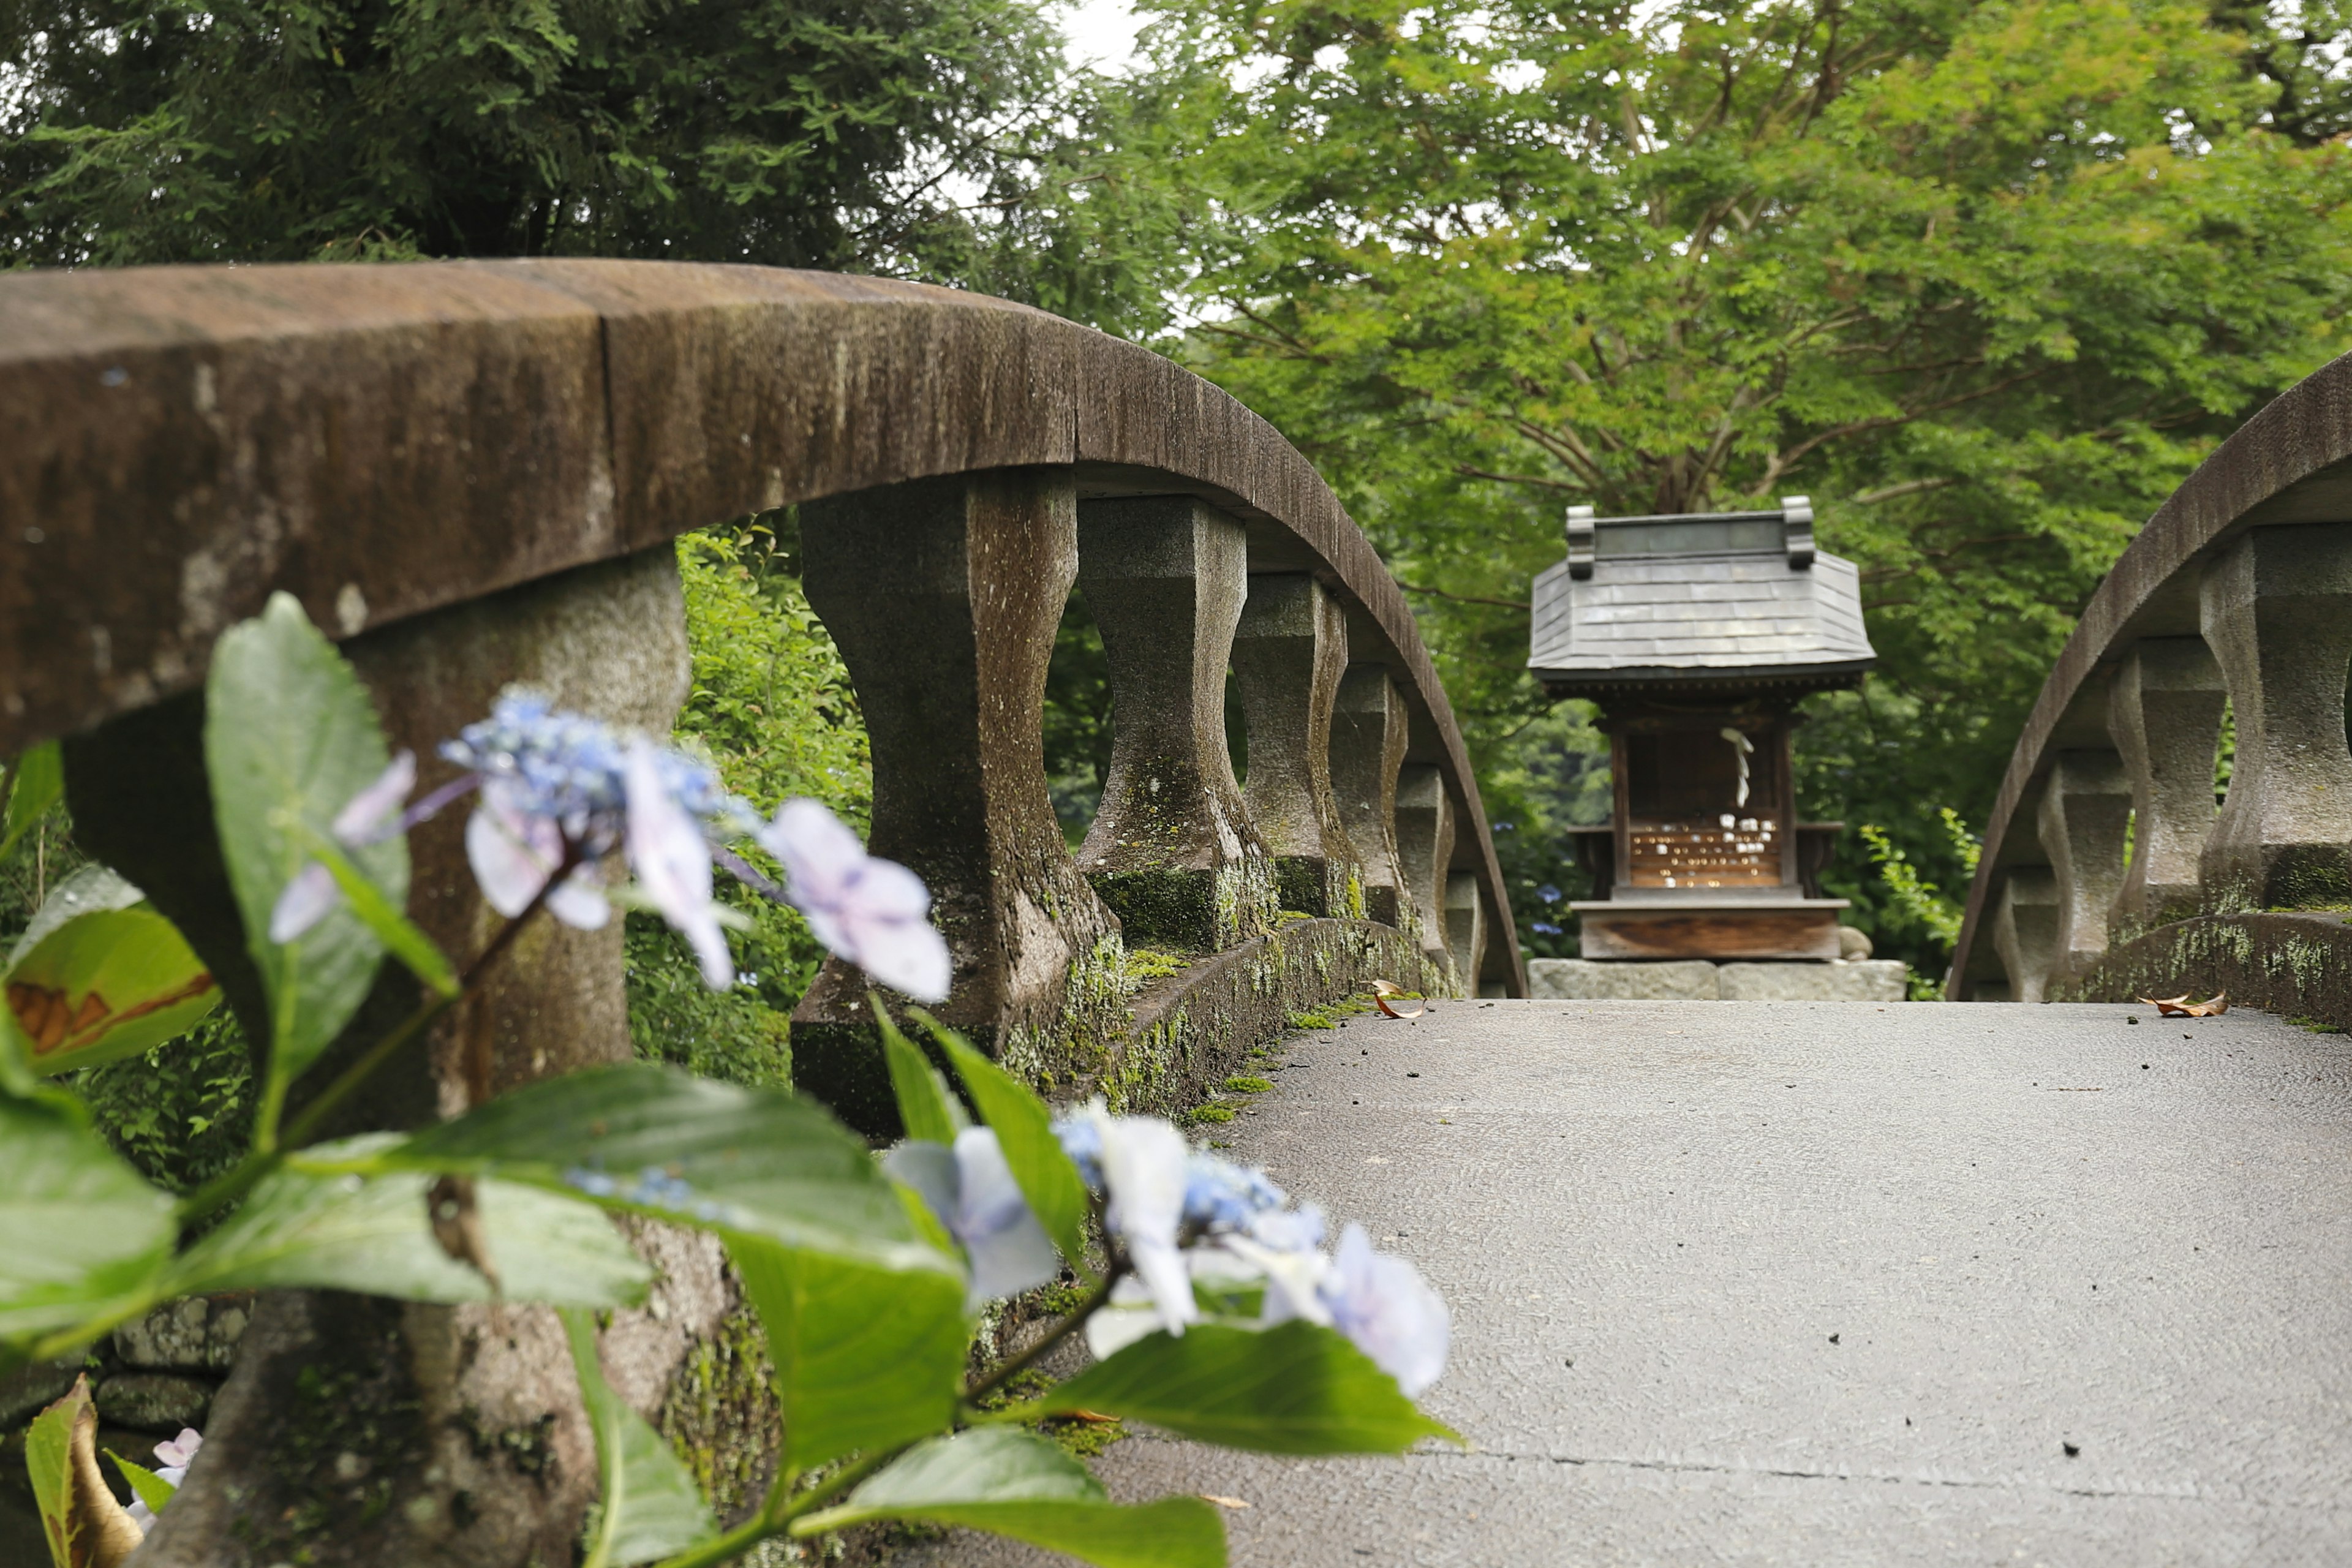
[(1734, 1282)]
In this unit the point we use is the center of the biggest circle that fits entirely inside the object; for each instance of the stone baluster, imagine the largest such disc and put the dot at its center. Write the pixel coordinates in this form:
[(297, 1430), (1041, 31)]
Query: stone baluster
[(610, 640), (1368, 745), (1465, 928), (1424, 832), (2164, 712), (1171, 851), (1289, 653), (2276, 610), (2025, 929), (2085, 815), (944, 597)]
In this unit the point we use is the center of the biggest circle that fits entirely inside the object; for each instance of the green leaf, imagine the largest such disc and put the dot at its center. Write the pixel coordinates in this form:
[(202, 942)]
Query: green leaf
[(1015, 1483), (99, 974), (82, 1521), (927, 1109), (80, 1230), (1025, 1130), (394, 929), (650, 1140), (145, 1484), (651, 1506), (48, 1461), (39, 783), (337, 1231), (865, 1359), (1295, 1388), (289, 738)]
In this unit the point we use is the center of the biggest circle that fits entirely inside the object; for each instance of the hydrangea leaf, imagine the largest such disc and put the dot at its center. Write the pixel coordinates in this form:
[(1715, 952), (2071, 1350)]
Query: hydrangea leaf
[(1017, 1484), (395, 931), (289, 738), (79, 1228), (39, 783), (1295, 1388), (927, 1110), (100, 975), (1025, 1130), (334, 1230), (651, 1140), (145, 1484), (865, 1358), (86, 1527), (649, 1506)]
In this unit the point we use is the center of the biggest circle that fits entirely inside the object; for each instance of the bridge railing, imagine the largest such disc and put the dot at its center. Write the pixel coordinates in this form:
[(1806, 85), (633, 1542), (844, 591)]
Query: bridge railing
[(471, 472), (2108, 868)]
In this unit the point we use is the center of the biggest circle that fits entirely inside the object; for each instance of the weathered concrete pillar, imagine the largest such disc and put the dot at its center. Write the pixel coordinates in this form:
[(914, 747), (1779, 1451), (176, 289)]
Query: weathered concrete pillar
[(2276, 610), (1368, 743), (2086, 812), (2164, 712), (943, 597), (1424, 831), (1465, 928), (2025, 929), (1171, 851), (1289, 652), (457, 1437)]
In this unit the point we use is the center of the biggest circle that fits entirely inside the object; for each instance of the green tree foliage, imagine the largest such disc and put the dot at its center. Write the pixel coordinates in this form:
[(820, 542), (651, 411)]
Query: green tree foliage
[(773, 708), (1986, 280), (938, 137)]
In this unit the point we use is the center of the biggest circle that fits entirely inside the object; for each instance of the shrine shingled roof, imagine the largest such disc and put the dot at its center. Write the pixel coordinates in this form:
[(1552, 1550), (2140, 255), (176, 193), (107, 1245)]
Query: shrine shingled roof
[(1703, 599)]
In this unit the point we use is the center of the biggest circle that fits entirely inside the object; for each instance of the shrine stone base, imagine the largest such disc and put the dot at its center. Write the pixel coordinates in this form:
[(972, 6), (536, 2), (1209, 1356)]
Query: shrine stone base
[(1699, 979)]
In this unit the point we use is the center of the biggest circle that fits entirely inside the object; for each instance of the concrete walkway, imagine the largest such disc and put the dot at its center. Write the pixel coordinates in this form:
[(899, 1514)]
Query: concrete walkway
[(1828, 1283)]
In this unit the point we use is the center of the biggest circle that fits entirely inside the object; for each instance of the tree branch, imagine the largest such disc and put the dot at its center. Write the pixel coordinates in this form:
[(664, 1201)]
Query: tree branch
[(1518, 605)]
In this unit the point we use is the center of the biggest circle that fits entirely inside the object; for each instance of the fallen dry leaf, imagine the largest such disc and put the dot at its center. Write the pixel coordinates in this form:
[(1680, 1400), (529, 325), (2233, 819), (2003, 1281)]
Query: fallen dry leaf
[(1094, 1418), (2181, 1006), (1384, 989), (1223, 1501)]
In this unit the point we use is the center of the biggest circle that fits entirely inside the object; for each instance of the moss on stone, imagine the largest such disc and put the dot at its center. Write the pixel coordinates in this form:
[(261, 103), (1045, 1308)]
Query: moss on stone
[(1240, 1083), (722, 1414)]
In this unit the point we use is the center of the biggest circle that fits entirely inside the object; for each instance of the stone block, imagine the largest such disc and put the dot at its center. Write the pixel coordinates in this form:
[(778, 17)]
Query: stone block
[(1587, 980), (1870, 979), (154, 1400), (199, 1333), (31, 1388)]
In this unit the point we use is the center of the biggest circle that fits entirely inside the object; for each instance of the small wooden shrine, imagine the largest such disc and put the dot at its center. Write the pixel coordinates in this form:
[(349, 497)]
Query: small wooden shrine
[(1698, 636)]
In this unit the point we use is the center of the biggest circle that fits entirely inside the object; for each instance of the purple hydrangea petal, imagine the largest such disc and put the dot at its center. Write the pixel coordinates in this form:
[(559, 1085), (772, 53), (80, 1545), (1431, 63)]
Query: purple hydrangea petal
[(1144, 1166), (1009, 1249), (867, 912), (304, 903), (1384, 1306), (512, 852), (365, 815), (672, 862)]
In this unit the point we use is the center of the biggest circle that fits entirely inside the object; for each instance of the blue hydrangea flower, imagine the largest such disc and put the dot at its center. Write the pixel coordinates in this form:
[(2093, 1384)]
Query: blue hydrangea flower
[(368, 816), (970, 1187), (1384, 1306), (1543, 928), (1220, 1195)]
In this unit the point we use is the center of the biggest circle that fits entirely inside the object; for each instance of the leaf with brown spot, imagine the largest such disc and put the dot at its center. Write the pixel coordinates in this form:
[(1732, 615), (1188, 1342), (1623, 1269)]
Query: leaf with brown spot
[(99, 974), (85, 1526)]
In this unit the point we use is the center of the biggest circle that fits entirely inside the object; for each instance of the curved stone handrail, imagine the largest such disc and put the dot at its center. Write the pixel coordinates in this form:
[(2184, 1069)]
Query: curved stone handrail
[(2238, 588), (382, 441), (470, 474)]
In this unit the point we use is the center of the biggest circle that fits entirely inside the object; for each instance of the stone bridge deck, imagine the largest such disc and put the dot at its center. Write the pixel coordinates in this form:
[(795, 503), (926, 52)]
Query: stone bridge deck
[(1828, 1283)]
